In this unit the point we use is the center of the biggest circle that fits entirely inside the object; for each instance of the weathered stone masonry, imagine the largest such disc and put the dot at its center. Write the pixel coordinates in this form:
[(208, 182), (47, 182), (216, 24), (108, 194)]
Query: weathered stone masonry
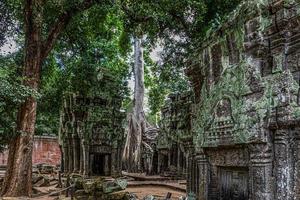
[(92, 133), (175, 129), (246, 130)]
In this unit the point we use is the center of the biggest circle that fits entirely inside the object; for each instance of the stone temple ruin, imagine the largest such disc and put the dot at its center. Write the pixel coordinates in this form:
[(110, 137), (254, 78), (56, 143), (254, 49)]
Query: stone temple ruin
[(245, 141), (175, 126), (236, 135), (92, 133)]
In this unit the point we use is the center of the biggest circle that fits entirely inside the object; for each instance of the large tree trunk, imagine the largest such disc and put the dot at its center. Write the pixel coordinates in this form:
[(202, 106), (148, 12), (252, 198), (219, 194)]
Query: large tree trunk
[(136, 126), (17, 181), (18, 177)]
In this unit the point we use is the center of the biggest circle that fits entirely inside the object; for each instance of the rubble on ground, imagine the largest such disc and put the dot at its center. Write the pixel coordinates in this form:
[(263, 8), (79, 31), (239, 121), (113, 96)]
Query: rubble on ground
[(132, 196), (149, 197), (100, 188), (43, 181), (44, 168)]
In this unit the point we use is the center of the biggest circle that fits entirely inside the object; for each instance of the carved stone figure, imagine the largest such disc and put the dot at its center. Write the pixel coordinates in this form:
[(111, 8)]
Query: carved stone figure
[(245, 125)]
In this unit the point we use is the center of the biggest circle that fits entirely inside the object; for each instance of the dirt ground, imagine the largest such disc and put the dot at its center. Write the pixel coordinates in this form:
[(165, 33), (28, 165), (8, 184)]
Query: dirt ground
[(142, 191), (158, 191), (140, 188)]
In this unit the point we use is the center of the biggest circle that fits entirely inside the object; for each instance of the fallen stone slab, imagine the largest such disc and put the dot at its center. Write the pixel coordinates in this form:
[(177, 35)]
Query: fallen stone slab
[(121, 195), (89, 187), (36, 178), (44, 168), (113, 186), (44, 182), (174, 186), (132, 196), (149, 197), (59, 192), (38, 191)]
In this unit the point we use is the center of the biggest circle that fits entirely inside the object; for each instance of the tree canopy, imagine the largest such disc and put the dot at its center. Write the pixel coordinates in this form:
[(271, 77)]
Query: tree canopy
[(101, 37)]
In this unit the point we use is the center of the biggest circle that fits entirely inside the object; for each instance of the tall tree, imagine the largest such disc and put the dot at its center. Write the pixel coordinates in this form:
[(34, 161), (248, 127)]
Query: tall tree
[(44, 21), (38, 44), (179, 25), (137, 121)]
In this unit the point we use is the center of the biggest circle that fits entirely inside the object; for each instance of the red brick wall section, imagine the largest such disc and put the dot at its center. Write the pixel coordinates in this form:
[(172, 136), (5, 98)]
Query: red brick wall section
[(45, 150), (3, 158)]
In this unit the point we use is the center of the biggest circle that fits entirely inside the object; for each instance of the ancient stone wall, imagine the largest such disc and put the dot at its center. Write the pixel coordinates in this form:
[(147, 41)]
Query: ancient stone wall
[(45, 151), (175, 129), (92, 133), (245, 128), (3, 158)]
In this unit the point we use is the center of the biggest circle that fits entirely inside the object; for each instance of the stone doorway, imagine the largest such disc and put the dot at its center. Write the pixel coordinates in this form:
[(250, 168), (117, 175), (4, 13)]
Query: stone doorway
[(155, 163), (234, 183), (165, 163), (99, 164)]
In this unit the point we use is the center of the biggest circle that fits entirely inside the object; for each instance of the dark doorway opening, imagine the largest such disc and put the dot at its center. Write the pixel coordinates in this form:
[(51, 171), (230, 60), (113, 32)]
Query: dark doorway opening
[(234, 183), (98, 167), (155, 163), (165, 163)]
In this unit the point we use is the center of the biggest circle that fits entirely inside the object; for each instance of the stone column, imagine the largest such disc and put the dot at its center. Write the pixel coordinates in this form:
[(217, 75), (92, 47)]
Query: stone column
[(113, 162), (287, 163), (81, 158), (169, 158), (119, 160), (91, 158), (62, 168), (174, 157), (106, 167), (75, 154), (261, 171), (158, 162), (185, 160), (297, 164), (193, 175), (201, 176), (179, 170), (282, 169), (203, 170), (70, 154), (86, 155), (66, 157), (80, 135), (189, 173)]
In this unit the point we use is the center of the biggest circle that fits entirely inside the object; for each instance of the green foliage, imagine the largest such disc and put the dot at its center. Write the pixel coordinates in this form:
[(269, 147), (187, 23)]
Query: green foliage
[(12, 94), (239, 81), (165, 79), (100, 38), (90, 44), (179, 27), (53, 84)]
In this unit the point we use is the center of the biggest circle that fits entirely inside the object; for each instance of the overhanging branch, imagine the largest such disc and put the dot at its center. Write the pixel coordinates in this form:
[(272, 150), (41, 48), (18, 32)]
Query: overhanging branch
[(61, 23)]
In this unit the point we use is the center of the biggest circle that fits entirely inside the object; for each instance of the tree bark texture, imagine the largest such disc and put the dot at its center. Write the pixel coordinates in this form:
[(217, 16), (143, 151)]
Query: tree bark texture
[(136, 125), (18, 177)]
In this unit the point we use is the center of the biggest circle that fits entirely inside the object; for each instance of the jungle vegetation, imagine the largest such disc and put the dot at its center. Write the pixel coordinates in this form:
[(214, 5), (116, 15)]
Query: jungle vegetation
[(59, 43)]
